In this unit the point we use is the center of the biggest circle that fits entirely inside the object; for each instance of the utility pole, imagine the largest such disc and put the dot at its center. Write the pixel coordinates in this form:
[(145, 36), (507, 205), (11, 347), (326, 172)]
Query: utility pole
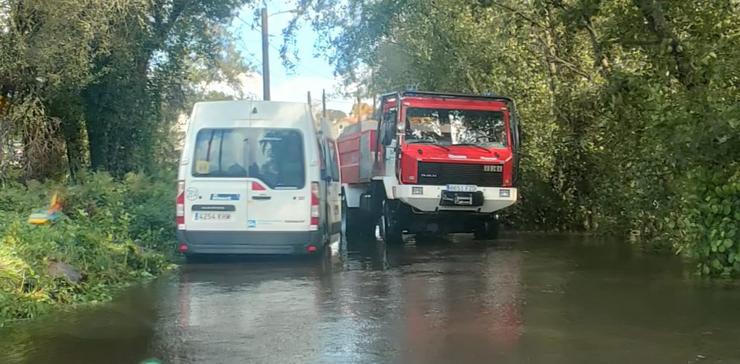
[(359, 100), (265, 58), (323, 103), (371, 91)]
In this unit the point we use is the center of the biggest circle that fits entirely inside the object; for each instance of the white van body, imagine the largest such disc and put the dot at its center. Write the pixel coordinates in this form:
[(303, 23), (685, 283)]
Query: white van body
[(257, 177)]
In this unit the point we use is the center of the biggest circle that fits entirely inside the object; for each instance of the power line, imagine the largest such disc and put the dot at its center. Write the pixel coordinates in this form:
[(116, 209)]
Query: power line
[(272, 45), (252, 28)]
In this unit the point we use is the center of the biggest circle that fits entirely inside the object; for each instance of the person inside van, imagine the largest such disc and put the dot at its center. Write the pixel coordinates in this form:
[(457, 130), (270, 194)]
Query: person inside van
[(278, 160), (268, 169)]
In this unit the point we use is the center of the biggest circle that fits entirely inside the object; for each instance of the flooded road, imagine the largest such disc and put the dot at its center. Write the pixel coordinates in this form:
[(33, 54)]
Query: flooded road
[(522, 299)]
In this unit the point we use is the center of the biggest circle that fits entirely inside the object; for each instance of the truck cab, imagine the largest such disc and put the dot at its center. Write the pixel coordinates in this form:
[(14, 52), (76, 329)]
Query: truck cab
[(439, 163)]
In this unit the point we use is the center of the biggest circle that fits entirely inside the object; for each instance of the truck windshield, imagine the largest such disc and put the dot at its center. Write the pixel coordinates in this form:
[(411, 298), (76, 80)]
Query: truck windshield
[(456, 127)]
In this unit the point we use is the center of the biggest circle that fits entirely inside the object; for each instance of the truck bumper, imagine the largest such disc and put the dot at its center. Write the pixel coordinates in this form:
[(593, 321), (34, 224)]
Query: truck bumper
[(428, 198)]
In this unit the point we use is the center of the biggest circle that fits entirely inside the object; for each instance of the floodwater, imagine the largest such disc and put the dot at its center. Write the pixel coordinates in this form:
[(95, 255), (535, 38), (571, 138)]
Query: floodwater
[(521, 299)]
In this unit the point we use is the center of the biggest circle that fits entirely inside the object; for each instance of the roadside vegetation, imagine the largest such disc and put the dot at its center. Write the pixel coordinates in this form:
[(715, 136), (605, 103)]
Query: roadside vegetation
[(90, 95), (630, 108), (112, 232)]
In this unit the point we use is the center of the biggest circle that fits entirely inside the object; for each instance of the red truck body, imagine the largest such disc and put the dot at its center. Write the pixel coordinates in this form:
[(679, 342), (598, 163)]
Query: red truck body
[(430, 162), (350, 153)]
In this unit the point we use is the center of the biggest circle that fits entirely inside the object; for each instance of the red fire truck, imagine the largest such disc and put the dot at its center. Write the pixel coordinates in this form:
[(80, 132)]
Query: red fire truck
[(430, 163)]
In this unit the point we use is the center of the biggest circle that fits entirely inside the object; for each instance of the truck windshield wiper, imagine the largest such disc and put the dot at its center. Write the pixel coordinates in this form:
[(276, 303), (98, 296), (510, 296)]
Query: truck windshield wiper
[(426, 141), (473, 145)]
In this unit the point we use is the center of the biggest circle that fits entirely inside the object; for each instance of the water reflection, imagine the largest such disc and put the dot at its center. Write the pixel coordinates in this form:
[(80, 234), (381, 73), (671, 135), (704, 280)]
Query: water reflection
[(554, 299)]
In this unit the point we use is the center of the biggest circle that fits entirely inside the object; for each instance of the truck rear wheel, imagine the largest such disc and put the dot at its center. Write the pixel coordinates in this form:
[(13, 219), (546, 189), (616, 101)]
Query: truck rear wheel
[(355, 227), (487, 229), (390, 223)]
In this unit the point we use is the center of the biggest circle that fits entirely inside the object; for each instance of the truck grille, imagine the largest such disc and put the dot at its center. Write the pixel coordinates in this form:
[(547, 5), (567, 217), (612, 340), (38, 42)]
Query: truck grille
[(483, 175)]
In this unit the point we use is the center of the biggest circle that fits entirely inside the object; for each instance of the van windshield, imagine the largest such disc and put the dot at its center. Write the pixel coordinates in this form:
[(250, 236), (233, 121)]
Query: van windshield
[(274, 156)]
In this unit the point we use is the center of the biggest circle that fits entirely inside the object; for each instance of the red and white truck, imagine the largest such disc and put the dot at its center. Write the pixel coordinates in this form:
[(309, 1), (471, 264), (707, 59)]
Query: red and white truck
[(430, 163)]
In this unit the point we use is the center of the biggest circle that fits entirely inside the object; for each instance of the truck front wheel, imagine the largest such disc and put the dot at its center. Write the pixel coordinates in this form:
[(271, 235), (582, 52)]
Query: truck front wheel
[(390, 223)]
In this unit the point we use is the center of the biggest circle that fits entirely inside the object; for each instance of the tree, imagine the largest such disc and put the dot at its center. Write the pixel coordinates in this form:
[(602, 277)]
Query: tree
[(102, 80), (630, 108), (174, 39)]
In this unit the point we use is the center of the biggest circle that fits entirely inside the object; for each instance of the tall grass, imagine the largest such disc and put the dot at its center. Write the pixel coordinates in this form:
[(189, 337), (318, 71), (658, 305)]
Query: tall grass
[(112, 232)]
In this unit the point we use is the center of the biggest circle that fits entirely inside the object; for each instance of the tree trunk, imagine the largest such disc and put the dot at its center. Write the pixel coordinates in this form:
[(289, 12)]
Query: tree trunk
[(96, 123), (653, 13), (73, 141)]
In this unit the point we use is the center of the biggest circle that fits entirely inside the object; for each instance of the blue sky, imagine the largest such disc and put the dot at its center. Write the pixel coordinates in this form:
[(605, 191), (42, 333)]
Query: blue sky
[(311, 73)]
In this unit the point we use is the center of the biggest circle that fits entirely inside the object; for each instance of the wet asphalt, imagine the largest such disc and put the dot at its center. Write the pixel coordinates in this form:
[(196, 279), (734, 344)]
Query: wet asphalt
[(522, 299)]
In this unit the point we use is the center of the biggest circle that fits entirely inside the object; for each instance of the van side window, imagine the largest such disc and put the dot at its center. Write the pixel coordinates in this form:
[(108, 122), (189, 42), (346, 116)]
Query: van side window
[(322, 159), (333, 162)]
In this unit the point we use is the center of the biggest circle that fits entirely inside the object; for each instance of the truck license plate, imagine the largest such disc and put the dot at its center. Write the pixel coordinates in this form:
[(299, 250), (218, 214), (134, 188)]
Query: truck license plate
[(462, 188), (212, 216)]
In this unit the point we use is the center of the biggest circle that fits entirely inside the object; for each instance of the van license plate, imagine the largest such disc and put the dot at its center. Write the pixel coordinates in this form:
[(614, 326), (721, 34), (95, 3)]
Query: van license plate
[(462, 188), (212, 216)]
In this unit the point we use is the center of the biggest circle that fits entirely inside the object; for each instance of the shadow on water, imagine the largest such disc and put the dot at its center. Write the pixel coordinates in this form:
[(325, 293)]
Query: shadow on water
[(522, 298)]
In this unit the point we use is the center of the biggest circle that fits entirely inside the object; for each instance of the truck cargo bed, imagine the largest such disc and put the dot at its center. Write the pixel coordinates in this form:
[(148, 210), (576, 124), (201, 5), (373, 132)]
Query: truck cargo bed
[(357, 147)]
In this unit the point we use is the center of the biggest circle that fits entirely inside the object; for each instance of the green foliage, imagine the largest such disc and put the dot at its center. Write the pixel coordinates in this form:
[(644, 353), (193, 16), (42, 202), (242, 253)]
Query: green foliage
[(708, 219), (112, 232), (149, 202), (100, 84), (627, 106)]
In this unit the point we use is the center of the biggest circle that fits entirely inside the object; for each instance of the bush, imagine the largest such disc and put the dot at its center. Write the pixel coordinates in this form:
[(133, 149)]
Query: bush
[(150, 204), (707, 226), (112, 233)]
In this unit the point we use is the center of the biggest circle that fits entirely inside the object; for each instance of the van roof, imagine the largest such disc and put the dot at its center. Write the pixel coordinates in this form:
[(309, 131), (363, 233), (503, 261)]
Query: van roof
[(227, 111)]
